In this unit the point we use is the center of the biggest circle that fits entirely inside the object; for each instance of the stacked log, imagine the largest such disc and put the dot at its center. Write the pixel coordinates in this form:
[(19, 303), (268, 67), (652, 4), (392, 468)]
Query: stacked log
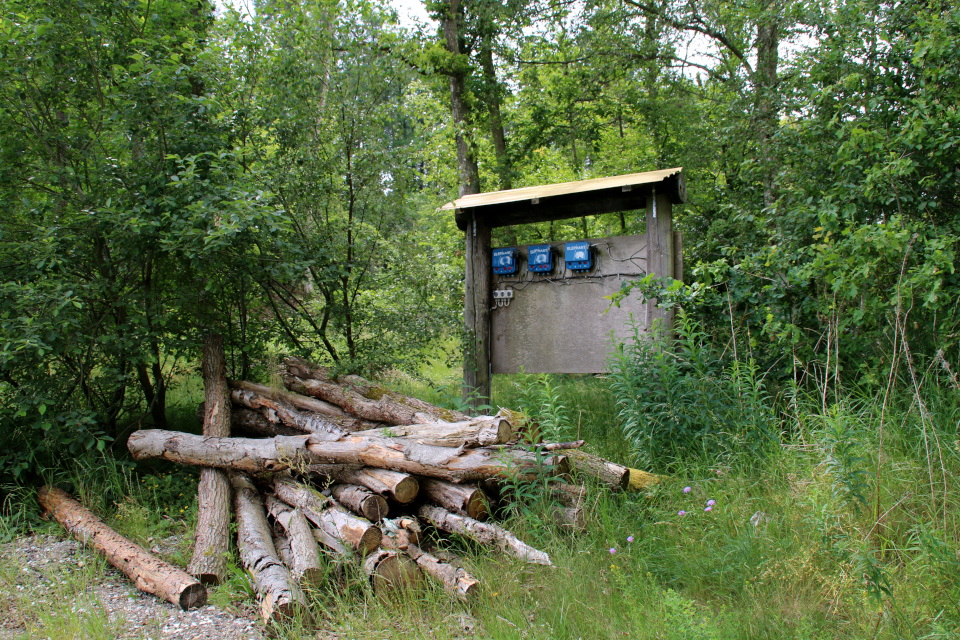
[(346, 469)]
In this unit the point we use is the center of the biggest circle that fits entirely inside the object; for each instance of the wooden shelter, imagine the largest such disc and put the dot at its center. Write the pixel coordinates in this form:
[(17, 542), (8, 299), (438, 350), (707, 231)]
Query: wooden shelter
[(477, 214)]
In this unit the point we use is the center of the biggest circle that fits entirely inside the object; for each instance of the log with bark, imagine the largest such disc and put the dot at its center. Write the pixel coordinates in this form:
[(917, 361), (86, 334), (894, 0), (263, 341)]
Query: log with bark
[(455, 580), (278, 592), (149, 574), (276, 454), (278, 411), (612, 475), (484, 533), (360, 500), (339, 528), (295, 410), (466, 499), (478, 432), (209, 561), (391, 573), (304, 562), (395, 485)]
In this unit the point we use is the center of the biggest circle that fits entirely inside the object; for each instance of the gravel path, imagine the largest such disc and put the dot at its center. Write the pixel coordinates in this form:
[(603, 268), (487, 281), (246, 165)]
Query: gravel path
[(65, 582)]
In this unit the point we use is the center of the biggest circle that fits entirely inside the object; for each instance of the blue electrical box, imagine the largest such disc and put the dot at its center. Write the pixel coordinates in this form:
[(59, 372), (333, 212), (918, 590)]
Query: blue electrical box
[(578, 256), (505, 261), (540, 258)]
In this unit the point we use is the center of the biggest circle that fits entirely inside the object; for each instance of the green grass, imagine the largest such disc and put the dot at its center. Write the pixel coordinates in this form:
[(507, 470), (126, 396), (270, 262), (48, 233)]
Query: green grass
[(792, 548)]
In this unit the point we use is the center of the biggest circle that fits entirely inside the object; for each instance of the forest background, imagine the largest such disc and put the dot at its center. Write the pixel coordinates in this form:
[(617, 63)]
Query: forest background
[(168, 171)]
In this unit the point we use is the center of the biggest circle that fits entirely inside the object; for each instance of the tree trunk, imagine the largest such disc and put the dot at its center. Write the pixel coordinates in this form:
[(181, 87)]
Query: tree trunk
[(248, 423), (465, 499), (397, 486), (478, 432), (361, 501), (303, 403), (390, 573), (278, 411), (304, 554), (609, 473), (279, 595), (150, 574), (250, 455), (340, 526), (276, 454), (484, 533), (209, 562)]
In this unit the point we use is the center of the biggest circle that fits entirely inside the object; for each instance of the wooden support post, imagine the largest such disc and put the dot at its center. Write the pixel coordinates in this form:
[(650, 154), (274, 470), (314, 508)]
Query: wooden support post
[(660, 257), (476, 314)]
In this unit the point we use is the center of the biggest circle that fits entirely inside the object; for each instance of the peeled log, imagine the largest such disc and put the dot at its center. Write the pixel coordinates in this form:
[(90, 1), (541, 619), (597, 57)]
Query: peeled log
[(304, 554), (613, 475), (149, 573), (250, 455), (398, 486), (479, 432), (455, 580), (390, 572), (361, 501), (465, 499), (304, 403), (278, 411), (339, 526), (269, 455), (279, 594), (209, 561), (484, 533)]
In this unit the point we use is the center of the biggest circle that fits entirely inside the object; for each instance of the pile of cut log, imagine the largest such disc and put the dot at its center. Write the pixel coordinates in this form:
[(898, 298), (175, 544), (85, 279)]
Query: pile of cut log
[(346, 468)]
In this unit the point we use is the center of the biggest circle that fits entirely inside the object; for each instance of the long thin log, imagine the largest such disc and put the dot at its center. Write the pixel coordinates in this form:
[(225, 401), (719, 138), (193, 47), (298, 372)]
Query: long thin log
[(361, 501), (304, 554), (270, 455), (251, 423), (466, 499), (484, 533), (613, 475), (149, 573), (301, 402), (455, 580), (295, 410), (209, 562), (357, 386), (278, 592), (347, 529), (478, 432)]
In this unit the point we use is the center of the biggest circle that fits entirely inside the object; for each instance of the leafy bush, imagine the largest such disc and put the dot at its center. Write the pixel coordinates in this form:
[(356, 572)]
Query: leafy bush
[(680, 400)]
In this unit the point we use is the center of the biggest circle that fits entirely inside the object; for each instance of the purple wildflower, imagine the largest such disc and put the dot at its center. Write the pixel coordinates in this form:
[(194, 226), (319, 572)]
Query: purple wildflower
[(708, 509), (681, 513), (710, 503), (687, 489), (612, 551), (629, 538)]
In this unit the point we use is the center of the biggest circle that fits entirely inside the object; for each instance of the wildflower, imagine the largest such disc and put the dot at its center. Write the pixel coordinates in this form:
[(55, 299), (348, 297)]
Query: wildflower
[(710, 503), (629, 538), (687, 489), (612, 551), (681, 513), (708, 509)]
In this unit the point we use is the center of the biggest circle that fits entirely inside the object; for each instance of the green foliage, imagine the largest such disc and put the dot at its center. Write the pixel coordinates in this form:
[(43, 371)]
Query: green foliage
[(540, 400), (680, 400)]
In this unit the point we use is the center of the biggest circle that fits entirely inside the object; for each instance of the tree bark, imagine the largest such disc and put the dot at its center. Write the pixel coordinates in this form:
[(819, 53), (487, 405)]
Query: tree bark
[(303, 403), (484, 533), (455, 580), (613, 475), (209, 562), (338, 524), (390, 573), (401, 487), (276, 454), (149, 573), (278, 411), (466, 499), (279, 595), (478, 432), (410, 527), (361, 501), (304, 554), (248, 423)]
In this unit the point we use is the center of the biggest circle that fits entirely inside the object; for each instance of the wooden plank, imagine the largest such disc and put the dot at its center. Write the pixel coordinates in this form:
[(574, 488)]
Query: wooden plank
[(476, 314), (660, 252)]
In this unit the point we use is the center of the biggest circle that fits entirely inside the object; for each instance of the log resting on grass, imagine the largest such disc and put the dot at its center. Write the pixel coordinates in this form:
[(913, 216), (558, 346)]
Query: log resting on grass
[(361, 501), (390, 572), (267, 455), (149, 573), (341, 529), (478, 432), (484, 533), (613, 475), (250, 455), (209, 561), (304, 554), (466, 499), (279, 594), (455, 580)]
